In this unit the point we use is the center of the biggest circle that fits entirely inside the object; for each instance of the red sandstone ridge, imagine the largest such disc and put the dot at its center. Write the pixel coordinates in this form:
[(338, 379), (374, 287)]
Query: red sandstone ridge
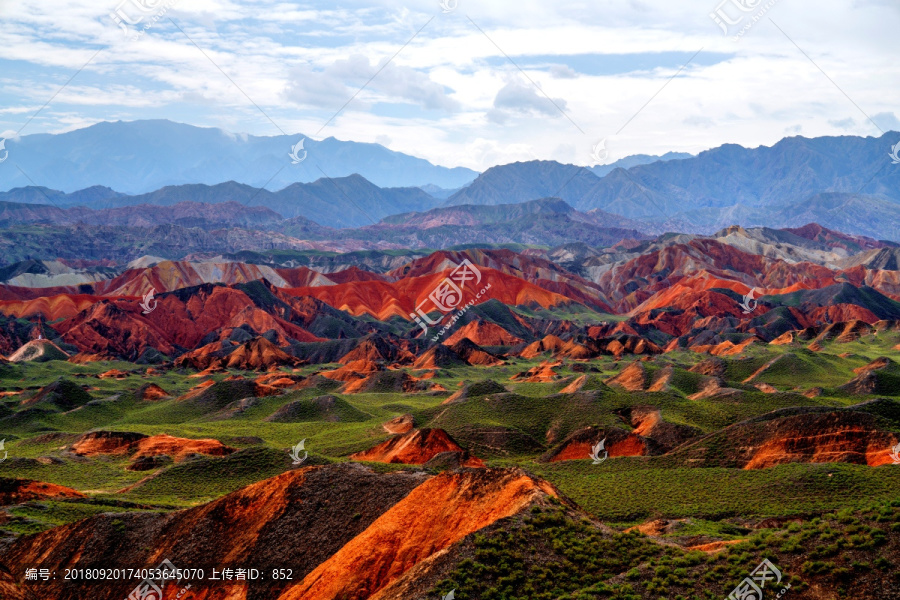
[(360, 532), (484, 334), (632, 378), (850, 435), (433, 517), (415, 448), (401, 424), (384, 300), (140, 445), (16, 491), (151, 393), (619, 442), (258, 354), (245, 528), (113, 374), (542, 373)]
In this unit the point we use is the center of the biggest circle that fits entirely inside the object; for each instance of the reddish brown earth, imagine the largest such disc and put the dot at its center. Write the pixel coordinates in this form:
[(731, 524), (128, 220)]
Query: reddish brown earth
[(384, 300), (113, 374), (848, 435), (401, 424), (406, 535), (17, 491), (534, 270), (674, 290), (549, 343), (258, 354), (376, 529), (575, 386), (713, 387), (277, 379), (179, 448), (352, 371), (632, 378), (140, 446), (119, 327), (484, 334), (414, 448), (715, 546), (540, 374), (836, 239), (245, 528), (152, 392), (105, 442), (474, 354), (378, 350), (619, 442)]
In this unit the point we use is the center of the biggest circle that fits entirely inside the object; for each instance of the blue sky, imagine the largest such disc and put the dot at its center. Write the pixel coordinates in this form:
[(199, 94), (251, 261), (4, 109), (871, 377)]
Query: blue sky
[(482, 84)]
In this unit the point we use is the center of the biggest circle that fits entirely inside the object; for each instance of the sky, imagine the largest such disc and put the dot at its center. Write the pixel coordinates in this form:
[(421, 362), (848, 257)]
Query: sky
[(458, 82)]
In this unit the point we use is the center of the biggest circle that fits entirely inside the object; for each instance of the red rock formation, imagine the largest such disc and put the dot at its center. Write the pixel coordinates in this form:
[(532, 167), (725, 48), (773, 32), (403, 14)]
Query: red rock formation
[(113, 374), (384, 300), (575, 386), (401, 424), (550, 343), (414, 448), (140, 446), (579, 445), (632, 378), (17, 491), (484, 334), (352, 371), (151, 393), (540, 374), (459, 503)]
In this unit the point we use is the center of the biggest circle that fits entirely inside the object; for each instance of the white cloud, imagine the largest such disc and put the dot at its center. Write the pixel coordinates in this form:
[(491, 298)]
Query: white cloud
[(300, 64)]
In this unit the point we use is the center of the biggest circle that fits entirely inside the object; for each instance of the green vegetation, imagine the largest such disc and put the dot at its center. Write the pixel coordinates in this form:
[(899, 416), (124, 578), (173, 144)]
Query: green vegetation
[(513, 428)]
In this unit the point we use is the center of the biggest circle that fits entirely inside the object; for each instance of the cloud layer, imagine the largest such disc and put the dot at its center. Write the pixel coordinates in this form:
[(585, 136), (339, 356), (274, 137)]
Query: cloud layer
[(484, 84)]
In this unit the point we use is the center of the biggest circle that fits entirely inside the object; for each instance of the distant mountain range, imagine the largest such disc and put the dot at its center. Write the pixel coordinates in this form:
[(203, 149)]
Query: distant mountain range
[(142, 156), (339, 202), (726, 178), (845, 183)]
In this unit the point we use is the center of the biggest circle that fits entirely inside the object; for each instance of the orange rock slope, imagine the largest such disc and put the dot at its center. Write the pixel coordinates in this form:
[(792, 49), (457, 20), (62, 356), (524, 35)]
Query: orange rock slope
[(16, 491), (359, 532), (415, 447), (437, 514), (140, 446), (384, 300)]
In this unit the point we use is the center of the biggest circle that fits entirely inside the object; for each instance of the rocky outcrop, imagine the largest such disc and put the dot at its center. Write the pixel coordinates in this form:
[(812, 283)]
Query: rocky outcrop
[(414, 448), (813, 435), (632, 378), (619, 442), (484, 333), (139, 446), (17, 491), (38, 351)]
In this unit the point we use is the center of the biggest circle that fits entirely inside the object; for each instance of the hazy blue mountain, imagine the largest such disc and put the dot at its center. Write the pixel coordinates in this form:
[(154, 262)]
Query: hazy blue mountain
[(788, 172), (337, 202), (729, 176), (525, 181), (43, 195), (142, 156), (534, 210), (635, 160), (184, 214), (346, 201), (439, 192)]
